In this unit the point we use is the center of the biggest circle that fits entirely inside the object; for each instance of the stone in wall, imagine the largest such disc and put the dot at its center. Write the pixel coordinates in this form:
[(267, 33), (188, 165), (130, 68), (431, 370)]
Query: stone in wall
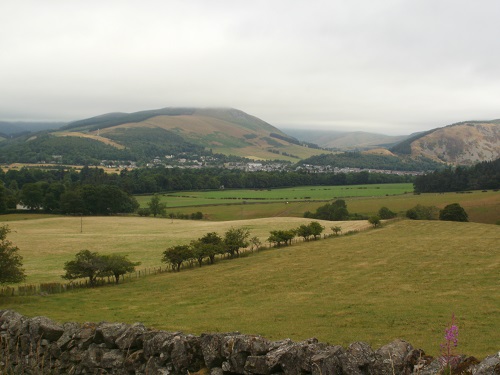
[(41, 346)]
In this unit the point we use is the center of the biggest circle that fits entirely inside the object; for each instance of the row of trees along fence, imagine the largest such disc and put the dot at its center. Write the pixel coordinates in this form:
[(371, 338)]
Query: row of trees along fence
[(55, 287)]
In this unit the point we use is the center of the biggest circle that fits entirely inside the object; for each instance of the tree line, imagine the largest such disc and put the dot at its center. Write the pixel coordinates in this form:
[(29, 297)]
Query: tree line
[(70, 191), (484, 175)]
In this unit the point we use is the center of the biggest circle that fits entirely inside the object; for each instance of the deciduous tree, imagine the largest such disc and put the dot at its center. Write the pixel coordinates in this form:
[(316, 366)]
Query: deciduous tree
[(235, 239), (453, 212), (176, 255), (156, 206), (87, 264), (10, 261), (118, 265)]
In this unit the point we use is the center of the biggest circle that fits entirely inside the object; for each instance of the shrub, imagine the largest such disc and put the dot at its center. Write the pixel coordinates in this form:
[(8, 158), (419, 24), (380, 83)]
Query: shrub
[(384, 213), (420, 212), (453, 212)]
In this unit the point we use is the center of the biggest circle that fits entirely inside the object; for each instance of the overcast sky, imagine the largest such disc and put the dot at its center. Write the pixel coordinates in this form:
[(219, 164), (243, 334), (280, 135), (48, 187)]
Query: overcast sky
[(387, 66)]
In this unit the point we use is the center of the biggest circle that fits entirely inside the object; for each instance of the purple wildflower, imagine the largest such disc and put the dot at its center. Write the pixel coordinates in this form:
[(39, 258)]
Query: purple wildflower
[(448, 359)]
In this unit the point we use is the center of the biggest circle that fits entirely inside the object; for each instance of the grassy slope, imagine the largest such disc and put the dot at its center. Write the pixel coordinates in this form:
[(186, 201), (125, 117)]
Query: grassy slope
[(46, 244), (481, 207), (402, 281)]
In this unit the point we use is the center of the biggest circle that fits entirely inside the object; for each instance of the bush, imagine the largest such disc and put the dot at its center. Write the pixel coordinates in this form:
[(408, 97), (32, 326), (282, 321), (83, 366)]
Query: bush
[(384, 213), (420, 212), (144, 212), (453, 212)]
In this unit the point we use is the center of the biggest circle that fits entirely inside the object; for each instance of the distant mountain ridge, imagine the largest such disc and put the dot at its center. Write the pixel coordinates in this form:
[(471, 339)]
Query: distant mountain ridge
[(152, 134), (464, 143), (344, 140)]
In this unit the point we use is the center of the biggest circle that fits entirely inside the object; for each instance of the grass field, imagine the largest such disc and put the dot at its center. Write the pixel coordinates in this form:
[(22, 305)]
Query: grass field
[(401, 281), (482, 207), (299, 193), (47, 243)]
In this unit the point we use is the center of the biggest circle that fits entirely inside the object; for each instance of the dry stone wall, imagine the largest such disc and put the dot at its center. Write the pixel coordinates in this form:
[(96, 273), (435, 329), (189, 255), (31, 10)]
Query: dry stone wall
[(41, 346)]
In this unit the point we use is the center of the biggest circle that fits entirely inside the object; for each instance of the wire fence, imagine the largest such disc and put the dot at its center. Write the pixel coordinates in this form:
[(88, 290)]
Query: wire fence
[(61, 287)]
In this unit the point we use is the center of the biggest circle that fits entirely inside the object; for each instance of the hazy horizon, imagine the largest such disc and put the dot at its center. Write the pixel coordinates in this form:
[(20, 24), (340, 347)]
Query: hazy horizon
[(390, 67)]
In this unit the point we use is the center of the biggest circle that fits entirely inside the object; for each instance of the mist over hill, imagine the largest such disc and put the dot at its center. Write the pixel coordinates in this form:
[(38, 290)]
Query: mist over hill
[(344, 140), (159, 133)]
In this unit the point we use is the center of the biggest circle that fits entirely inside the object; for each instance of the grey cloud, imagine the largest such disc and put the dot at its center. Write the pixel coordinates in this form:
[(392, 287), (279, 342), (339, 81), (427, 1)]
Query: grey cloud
[(394, 66)]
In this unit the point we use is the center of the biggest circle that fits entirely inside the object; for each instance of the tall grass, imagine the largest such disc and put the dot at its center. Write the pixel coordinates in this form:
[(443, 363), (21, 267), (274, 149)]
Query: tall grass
[(401, 281)]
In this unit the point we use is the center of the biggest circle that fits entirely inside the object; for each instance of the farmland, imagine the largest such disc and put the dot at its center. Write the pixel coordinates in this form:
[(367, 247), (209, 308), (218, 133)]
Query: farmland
[(482, 207), (403, 280)]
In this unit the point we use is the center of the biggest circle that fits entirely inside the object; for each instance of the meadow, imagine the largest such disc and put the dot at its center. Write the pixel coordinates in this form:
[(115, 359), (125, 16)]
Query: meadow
[(404, 280), (47, 243), (299, 193), (482, 207)]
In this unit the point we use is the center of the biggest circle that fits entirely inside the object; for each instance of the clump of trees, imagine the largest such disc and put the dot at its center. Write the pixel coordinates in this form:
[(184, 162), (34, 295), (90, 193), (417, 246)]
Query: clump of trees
[(375, 221), (156, 206), (484, 175), (11, 262), (420, 212), (285, 237), (92, 266), (208, 247), (384, 213), (453, 212), (335, 211)]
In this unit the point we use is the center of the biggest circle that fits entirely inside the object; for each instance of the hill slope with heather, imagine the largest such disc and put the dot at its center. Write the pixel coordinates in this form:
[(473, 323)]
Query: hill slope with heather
[(142, 136), (464, 143)]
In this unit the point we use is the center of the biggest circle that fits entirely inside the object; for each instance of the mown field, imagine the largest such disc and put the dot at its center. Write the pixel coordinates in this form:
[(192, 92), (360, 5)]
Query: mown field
[(299, 193), (404, 280), (482, 207), (47, 243)]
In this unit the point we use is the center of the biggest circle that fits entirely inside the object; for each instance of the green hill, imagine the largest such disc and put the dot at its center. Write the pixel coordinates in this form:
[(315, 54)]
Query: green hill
[(464, 143), (142, 136), (404, 280)]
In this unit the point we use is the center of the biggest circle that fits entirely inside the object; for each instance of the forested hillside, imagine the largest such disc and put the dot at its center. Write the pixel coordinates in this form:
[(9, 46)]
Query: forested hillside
[(485, 175), (360, 160)]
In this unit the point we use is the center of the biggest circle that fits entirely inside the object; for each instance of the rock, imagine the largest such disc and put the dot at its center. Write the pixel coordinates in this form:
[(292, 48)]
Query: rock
[(108, 333), (293, 358), (132, 338), (42, 327), (359, 359), (257, 365), (390, 358), (237, 348), (415, 360), (489, 366), (112, 359), (328, 361), (216, 371)]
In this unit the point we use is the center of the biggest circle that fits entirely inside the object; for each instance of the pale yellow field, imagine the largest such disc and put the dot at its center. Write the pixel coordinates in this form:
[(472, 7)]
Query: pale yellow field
[(46, 244)]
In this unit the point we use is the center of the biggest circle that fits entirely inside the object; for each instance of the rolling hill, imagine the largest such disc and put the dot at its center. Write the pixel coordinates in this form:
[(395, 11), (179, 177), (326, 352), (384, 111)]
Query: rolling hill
[(144, 135), (465, 143), (345, 141)]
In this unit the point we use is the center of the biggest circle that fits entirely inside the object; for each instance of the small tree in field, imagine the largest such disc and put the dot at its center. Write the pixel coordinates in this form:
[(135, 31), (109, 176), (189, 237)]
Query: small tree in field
[(336, 230), (87, 264), (10, 260), (375, 221), (316, 229), (384, 213), (118, 265), (453, 212), (156, 207), (176, 255), (235, 239), (255, 243), (304, 231)]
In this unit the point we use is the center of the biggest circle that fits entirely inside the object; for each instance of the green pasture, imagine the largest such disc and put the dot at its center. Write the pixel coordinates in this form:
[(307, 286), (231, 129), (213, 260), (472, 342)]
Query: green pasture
[(404, 280), (300, 193), (46, 244), (482, 207)]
